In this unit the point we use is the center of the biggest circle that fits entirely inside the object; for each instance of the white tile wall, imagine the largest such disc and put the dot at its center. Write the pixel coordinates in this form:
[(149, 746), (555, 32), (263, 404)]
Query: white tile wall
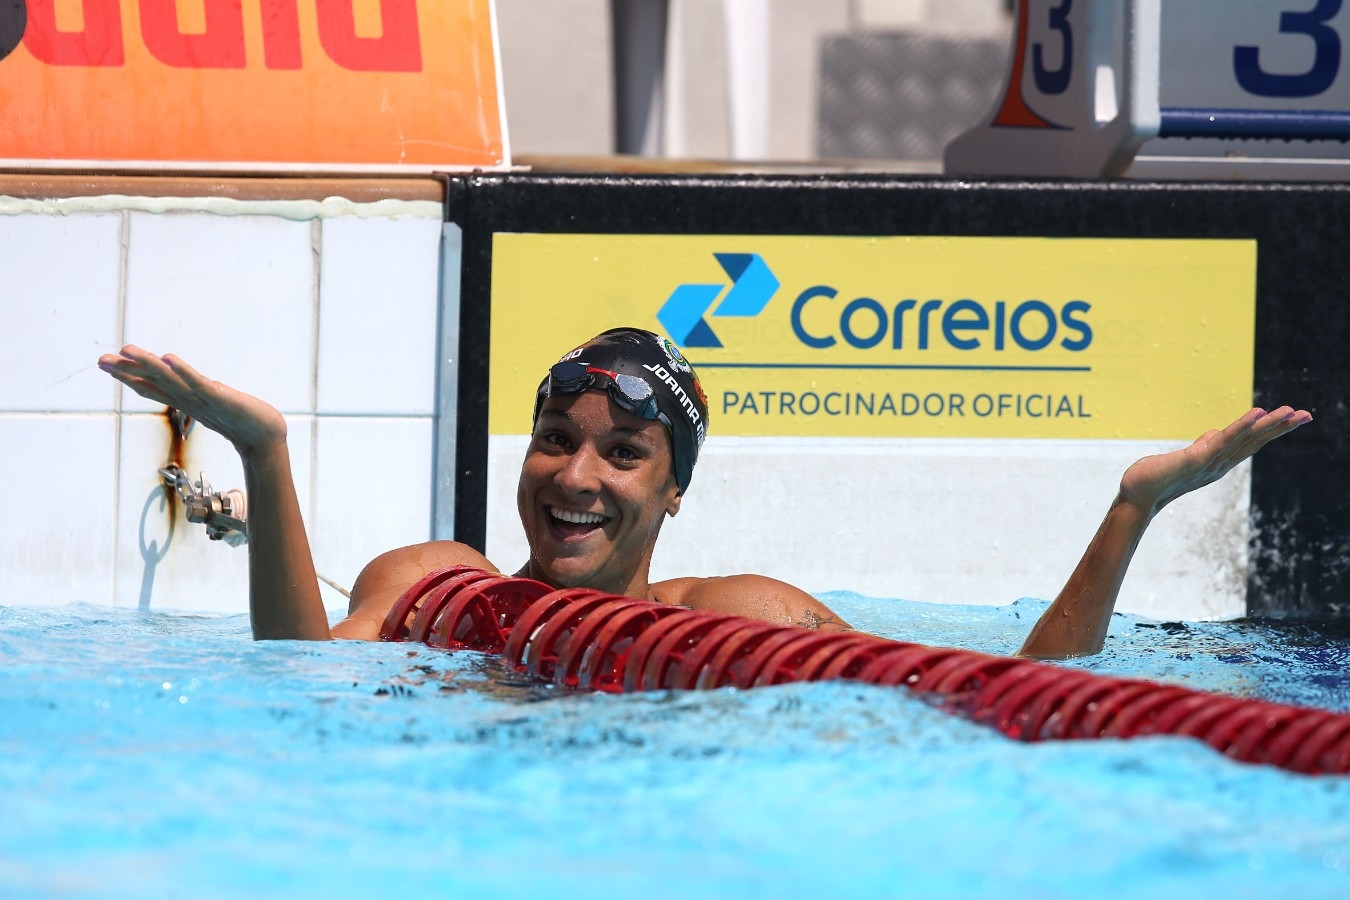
[(377, 332), (56, 533), (58, 310), (163, 561), (232, 295), (371, 491), (237, 296)]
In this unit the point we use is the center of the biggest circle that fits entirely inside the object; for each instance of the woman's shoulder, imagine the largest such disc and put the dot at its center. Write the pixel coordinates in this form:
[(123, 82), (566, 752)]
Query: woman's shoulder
[(424, 558), (753, 596)]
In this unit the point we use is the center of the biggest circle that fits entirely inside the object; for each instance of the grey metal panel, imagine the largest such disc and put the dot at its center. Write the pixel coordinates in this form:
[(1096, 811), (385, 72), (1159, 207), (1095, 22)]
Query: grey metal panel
[(447, 386), (903, 96), (639, 34)]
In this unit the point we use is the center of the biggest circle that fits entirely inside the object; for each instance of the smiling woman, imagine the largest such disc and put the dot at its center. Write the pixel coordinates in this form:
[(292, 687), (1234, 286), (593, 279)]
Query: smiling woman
[(619, 423), (596, 485)]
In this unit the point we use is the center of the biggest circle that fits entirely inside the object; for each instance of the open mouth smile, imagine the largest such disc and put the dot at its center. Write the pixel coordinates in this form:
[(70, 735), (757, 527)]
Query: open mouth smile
[(571, 523)]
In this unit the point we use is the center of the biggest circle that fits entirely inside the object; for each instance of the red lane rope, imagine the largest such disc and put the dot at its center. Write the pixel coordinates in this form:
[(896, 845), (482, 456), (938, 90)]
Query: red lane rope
[(857, 657), (551, 640), (591, 640), (662, 661), (1135, 719), (585, 636), (785, 664), (814, 667), (476, 620), (711, 663), (605, 660), (396, 623)]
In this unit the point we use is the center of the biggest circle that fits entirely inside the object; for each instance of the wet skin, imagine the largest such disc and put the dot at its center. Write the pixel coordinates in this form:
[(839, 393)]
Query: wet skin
[(592, 461)]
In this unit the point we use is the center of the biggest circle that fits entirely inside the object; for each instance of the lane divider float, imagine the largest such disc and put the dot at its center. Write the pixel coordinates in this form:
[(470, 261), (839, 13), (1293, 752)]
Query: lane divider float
[(590, 640)]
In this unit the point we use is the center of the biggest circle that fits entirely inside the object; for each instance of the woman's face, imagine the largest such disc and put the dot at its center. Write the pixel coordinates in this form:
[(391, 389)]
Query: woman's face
[(595, 487)]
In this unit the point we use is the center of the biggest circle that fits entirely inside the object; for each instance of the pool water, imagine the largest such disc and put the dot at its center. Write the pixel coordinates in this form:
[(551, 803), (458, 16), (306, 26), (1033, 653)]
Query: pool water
[(158, 754)]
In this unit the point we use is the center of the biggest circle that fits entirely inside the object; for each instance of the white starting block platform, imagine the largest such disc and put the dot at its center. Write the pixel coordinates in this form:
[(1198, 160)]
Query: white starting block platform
[(1255, 89)]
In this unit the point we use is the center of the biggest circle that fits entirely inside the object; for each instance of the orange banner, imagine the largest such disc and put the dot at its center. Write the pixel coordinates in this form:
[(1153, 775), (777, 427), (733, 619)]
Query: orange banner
[(364, 85)]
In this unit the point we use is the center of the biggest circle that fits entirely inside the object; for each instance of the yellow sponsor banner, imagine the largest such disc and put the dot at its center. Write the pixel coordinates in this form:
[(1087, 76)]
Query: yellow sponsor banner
[(898, 336)]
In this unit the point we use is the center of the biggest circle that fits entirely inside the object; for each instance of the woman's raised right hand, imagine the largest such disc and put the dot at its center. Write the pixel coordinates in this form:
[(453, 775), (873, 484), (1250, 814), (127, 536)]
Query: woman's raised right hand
[(252, 426)]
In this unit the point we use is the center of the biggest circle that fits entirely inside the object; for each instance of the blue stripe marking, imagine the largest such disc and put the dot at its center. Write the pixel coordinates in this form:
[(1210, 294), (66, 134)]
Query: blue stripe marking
[(1277, 124), (683, 313), (882, 366), (752, 284)]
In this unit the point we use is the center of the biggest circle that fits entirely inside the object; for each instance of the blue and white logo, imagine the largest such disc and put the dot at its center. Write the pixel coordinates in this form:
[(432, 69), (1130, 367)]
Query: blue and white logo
[(752, 287)]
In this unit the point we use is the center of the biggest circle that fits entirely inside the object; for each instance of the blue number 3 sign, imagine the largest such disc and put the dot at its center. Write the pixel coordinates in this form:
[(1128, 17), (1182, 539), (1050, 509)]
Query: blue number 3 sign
[(1326, 60)]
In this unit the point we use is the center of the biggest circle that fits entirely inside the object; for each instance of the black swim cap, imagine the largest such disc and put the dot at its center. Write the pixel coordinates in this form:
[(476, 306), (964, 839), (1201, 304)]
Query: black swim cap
[(665, 388)]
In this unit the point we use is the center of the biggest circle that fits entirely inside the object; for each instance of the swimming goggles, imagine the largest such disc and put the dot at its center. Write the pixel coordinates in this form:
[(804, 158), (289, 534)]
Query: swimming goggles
[(630, 392)]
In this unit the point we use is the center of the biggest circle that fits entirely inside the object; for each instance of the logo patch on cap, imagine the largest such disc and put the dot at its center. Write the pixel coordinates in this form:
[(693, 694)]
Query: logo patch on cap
[(676, 357)]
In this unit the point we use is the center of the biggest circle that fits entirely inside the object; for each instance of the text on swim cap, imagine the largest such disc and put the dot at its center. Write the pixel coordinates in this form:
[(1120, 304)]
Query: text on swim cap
[(690, 409)]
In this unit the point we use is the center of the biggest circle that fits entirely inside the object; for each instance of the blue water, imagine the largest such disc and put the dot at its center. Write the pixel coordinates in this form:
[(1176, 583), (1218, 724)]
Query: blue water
[(155, 754)]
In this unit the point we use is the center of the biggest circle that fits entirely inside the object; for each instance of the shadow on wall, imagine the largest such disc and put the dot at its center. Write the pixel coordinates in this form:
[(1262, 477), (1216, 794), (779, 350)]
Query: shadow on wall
[(154, 549)]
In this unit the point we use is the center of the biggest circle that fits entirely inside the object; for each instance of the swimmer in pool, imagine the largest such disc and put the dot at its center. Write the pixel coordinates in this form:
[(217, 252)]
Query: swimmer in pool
[(618, 425)]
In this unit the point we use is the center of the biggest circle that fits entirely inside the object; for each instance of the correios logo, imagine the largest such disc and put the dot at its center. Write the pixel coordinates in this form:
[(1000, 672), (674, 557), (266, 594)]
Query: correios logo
[(752, 287), (864, 323)]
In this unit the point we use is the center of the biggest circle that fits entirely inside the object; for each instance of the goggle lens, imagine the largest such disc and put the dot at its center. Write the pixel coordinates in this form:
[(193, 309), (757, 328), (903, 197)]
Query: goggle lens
[(628, 391)]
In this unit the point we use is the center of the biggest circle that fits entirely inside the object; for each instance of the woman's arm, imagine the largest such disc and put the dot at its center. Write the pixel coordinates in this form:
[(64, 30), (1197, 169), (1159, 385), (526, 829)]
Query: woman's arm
[(284, 599), (1075, 623)]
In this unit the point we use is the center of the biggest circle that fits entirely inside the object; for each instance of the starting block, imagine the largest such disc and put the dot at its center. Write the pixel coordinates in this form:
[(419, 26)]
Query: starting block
[(1198, 88)]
